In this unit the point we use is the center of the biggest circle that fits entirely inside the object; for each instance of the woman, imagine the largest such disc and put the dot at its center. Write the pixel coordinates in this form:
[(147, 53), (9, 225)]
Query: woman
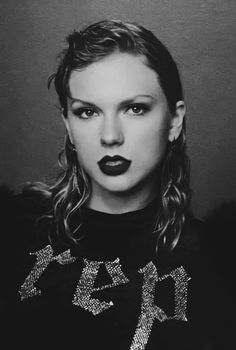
[(115, 261)]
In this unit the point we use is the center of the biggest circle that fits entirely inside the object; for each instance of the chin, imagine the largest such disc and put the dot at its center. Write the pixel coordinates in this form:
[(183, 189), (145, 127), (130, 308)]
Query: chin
[(118, 184)]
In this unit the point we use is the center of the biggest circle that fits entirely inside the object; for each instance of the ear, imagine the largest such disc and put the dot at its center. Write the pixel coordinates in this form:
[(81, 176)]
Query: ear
[(67, 125), (176, 122)]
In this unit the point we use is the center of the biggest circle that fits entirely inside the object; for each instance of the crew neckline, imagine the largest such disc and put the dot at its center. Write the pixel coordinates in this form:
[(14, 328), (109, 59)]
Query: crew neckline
[(128, 236), (138, 216)]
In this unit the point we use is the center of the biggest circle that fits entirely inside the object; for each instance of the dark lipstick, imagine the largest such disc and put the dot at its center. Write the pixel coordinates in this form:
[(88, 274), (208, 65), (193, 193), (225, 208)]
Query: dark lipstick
[(114, 166)]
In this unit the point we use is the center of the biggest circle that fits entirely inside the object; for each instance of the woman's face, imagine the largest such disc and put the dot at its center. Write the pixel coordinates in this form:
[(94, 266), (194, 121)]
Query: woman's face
[(119, 122)]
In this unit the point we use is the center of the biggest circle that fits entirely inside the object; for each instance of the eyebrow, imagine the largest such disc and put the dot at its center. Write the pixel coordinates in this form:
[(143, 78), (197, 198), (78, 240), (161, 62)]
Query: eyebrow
[(122, 103)]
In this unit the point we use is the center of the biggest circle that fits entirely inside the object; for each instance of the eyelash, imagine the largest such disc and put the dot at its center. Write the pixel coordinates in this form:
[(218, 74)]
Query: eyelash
[(79, 112), (143, 108)]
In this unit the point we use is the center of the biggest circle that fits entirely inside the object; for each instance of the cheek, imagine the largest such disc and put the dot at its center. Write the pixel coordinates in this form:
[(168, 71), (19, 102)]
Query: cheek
[(79, 137), (86, 149), (83, 136), (152, 141)]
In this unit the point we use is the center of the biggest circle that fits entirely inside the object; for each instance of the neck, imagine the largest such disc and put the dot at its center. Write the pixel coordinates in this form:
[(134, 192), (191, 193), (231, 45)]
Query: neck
[(121, 202)]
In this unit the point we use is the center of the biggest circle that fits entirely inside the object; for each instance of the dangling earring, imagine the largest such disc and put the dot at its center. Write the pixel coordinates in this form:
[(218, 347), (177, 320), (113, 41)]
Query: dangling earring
[(70, 144), (75, 179)]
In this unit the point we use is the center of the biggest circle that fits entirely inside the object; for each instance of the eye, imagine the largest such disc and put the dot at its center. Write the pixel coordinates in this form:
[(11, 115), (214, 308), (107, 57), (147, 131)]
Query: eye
[(137, 109), (85, 113)]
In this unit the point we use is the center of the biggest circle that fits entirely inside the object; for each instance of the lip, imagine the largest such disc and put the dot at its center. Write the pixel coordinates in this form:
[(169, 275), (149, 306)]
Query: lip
[(114, 166)]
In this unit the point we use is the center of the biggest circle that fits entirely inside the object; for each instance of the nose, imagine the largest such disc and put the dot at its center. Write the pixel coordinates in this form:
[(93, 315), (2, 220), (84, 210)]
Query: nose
[(111, 132)]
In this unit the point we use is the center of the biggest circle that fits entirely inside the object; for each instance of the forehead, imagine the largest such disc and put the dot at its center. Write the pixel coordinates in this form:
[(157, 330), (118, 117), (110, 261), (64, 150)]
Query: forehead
[(119, 74)]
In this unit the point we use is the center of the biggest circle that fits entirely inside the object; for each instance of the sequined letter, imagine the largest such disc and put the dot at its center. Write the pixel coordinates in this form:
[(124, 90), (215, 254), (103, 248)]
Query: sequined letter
[(64, 258), (150, 311), (181, 279), (44, 257), (85, 288)]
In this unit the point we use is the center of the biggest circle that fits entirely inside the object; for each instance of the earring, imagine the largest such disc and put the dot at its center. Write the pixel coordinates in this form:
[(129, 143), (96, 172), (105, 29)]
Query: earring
[(75, 178), (71, 145)]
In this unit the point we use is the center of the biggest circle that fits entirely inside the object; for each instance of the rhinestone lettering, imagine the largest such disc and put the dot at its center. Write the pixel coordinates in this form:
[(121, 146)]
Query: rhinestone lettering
[(150, 311), (85, 287), (44, 257)]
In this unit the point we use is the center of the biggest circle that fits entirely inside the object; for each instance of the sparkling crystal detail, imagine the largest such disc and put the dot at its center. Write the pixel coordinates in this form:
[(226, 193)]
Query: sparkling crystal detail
[(181, 279), (150, 311), (64, 258), (82, 296), (44, 258)]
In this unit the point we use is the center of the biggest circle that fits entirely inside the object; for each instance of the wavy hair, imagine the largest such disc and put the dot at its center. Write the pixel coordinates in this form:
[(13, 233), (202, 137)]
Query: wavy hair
[(72, 187)]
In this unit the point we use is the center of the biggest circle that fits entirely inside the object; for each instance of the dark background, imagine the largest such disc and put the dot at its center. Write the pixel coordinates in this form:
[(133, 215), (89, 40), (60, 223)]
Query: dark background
[(200, 35)]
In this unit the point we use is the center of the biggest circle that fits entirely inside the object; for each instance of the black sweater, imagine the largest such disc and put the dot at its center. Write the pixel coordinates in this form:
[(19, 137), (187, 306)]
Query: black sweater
[(112, 291)]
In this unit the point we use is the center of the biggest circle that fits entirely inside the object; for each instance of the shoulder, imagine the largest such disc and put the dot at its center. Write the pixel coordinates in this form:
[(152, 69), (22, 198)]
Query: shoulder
[(29, 199), (212, 240), (20, 212), (193, 234)]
